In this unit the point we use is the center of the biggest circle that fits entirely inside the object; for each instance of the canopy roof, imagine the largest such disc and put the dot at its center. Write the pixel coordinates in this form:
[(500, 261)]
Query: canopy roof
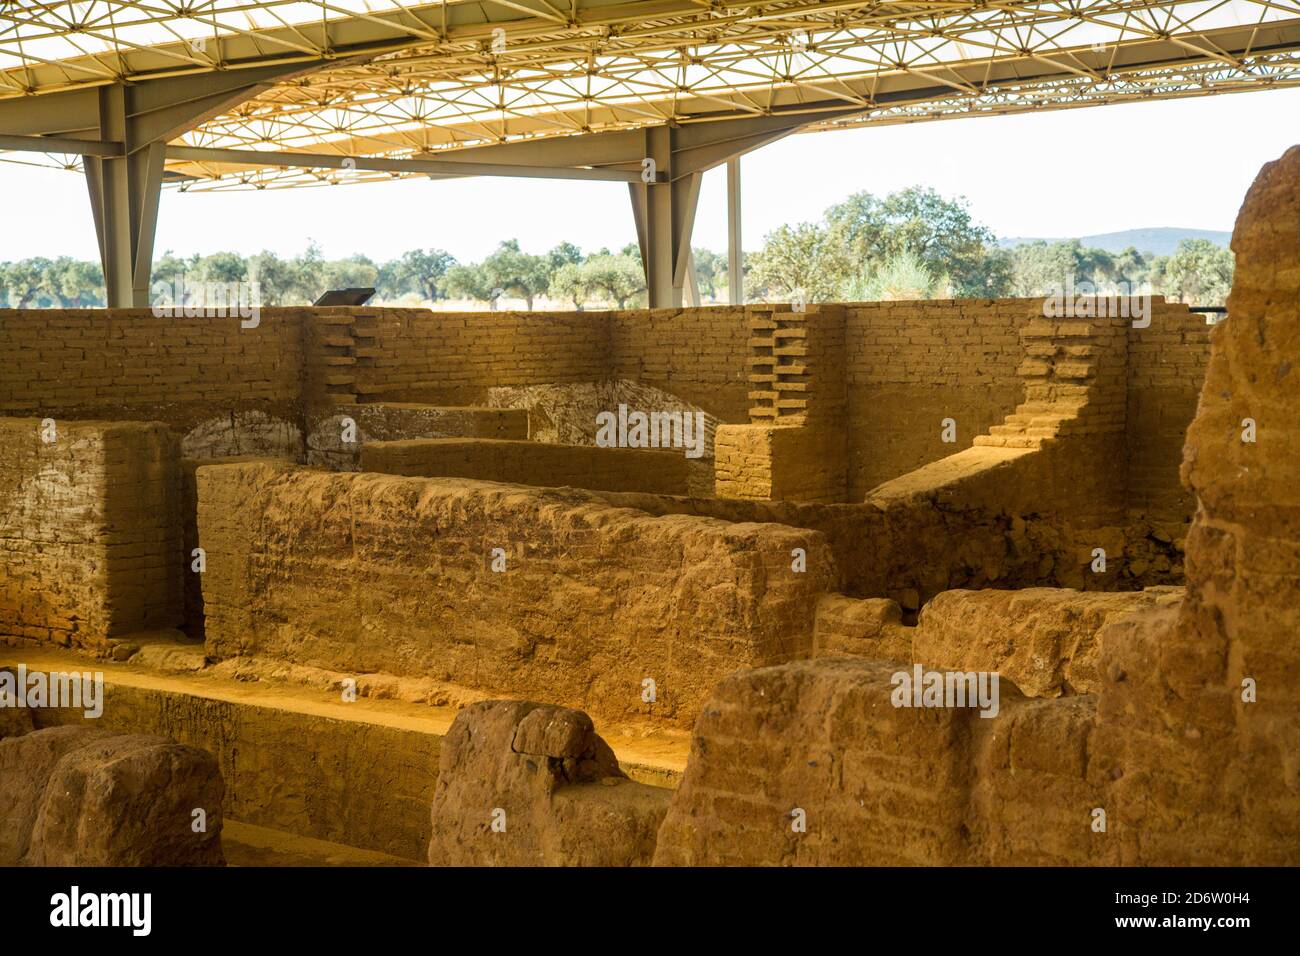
[(393, 79)]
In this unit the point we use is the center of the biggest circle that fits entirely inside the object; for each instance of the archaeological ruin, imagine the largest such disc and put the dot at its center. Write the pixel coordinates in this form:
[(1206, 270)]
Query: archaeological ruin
[(882, 583)]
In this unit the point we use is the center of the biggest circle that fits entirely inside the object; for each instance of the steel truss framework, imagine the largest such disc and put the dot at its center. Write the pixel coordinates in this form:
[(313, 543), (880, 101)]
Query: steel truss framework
[(254, 94)]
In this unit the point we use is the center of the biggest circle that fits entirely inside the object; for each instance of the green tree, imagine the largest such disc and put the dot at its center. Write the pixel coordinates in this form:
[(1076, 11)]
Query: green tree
[(471, 282), (570, 282), (1131, 268), (515, 272), (75, 284), (1039, 267), (220, 267), (710, 267), (354, 272), (306, 276), (1198, 273), (806, 261), (423, 271), (902, 276), (23, 282), (618, 278), (564, 254), (274, 278), (937, 231)]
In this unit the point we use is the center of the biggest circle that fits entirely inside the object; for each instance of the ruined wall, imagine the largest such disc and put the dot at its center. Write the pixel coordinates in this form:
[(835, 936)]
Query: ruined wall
[(228, 390), (912, 364), (73, 796), (365, 573), (1056, 463), (696, 354), (909, 552), (906, 367), (794, 447), (524, 784), (562, 367), (288, 766), (811, 764), (453, 358), (90, 531), (1045, 640), (329, 425), (1200, 720), (1166, 369), (532, 463), (1188, 752)]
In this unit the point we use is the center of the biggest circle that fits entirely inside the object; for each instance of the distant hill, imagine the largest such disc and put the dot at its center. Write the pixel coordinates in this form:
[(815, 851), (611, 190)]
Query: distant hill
[(1160, 241)]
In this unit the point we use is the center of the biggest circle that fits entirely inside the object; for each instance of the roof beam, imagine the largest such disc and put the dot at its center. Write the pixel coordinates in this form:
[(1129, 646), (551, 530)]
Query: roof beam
[(429, 167), (60, 144)]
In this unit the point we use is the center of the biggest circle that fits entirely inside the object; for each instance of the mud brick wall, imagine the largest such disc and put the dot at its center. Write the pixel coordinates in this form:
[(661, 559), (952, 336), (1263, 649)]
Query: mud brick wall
[(90, 532), (290, 768), (397, 421), (532, 463), (80, 796), (907, 366), (1166, 368), (1186, 739), (453, 358), (1043, 639), (780, 462), (1180, 747), (794, 445), (205, 377), (363, 573), (696, 354), (877, 784), (912, 364), (881, 785)]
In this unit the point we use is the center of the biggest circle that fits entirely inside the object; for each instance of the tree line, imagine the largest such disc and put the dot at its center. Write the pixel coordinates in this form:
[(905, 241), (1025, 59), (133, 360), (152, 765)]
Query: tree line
[(916, 244), (912, 244)]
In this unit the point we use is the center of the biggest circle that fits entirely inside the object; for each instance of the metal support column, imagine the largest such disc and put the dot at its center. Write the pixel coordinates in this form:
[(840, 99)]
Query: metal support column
[(124, 193), (735, 255), (665, 218)]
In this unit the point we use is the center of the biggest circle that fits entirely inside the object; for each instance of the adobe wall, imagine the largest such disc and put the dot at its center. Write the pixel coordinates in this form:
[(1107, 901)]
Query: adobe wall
[(1201, 720), (696, 354), (533, 463), (227, 389), (910, 365), (1188, 753), (1166, 369), (364, 573), (794, 446), (811, 764), (913, 364), (453, 358), (909, 552), (905, 367), (77, 796), (337, 433), (288, 765), (89, 530), (554, 783)]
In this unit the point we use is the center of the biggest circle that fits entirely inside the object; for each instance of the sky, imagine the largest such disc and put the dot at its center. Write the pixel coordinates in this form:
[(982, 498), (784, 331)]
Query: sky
[(1181, 163)]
